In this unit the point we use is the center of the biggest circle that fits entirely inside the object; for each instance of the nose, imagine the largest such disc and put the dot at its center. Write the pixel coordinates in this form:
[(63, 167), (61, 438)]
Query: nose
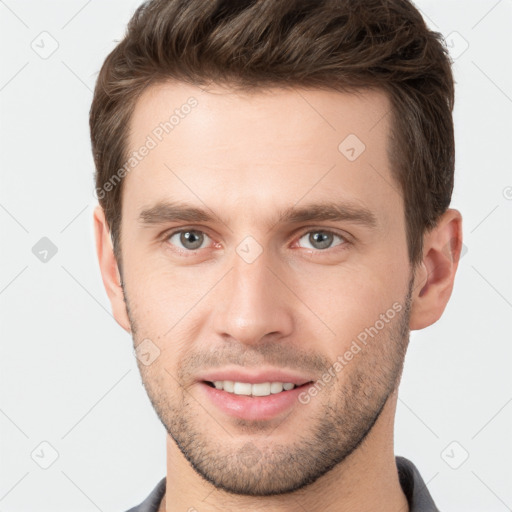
[(253, 303)]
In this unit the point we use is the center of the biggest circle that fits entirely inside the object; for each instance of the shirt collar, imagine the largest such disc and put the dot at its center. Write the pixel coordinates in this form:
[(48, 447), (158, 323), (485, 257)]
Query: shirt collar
[(412, 484)]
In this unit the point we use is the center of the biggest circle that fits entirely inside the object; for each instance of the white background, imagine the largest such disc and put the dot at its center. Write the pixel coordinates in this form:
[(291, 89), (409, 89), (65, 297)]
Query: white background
[(68, 373)]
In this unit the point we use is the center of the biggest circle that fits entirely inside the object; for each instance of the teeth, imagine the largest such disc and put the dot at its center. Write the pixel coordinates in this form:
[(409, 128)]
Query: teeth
[(227, 385), (261, 389), (246, 388), (276, 387), (242, 388)]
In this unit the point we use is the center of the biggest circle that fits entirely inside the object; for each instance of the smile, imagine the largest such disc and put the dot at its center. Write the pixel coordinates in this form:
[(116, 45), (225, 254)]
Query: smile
[(248, 389)]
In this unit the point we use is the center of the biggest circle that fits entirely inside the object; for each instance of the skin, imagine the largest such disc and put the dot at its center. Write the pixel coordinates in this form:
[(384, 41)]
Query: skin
[(298, 305)]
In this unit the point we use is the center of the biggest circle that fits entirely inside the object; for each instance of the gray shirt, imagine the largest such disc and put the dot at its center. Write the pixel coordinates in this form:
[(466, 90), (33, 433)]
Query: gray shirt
[(414, 488)]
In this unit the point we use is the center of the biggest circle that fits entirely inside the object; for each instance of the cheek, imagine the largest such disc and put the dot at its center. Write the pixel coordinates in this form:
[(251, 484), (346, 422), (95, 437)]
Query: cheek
[(152, 297), (168, 305), (346, 301)]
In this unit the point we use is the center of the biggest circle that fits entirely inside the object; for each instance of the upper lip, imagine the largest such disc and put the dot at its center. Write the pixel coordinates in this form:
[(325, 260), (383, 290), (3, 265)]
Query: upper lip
[(254, 377)]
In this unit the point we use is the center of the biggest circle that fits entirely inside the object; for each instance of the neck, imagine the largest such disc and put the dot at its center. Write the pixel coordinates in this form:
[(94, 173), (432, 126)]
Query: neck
[(365, 481)]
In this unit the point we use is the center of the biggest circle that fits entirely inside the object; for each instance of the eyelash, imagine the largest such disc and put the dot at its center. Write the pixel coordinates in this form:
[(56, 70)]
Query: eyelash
[(340, 247)]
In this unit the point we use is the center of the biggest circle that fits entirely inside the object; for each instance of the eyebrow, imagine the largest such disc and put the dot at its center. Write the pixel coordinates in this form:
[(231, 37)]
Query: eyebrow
[(164, 212)]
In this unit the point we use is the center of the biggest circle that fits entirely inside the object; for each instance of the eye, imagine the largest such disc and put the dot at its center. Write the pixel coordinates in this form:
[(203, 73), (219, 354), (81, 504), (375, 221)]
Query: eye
[(190, 239), (321, 239)]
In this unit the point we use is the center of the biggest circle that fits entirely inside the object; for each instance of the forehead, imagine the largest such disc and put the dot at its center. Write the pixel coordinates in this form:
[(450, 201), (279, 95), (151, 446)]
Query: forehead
[(164, 107), (270, 147)]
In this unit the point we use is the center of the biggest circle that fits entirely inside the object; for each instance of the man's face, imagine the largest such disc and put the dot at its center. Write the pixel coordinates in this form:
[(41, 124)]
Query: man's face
[(252, 293)]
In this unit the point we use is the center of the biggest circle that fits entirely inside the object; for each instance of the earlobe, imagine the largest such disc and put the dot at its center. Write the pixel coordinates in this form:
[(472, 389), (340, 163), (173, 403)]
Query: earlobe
[(434, 277), (109, 269)]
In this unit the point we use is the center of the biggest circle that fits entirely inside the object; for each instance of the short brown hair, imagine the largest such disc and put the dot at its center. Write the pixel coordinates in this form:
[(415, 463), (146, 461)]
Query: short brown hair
[(343, 45)]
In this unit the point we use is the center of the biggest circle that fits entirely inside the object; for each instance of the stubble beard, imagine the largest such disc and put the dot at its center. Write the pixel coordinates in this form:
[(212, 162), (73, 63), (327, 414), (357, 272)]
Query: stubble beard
[(251, 464)]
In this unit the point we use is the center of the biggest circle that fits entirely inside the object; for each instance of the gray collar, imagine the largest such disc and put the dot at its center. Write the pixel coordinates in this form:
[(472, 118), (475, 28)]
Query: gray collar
[(414, 488)]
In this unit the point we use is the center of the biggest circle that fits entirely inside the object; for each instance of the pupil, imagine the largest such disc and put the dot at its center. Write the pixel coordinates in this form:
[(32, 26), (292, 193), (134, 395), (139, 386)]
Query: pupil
[(190, 237), (321, 239)]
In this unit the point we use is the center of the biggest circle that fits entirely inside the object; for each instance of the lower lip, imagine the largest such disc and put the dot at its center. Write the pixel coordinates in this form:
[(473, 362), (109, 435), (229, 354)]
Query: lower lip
[(253, 407)]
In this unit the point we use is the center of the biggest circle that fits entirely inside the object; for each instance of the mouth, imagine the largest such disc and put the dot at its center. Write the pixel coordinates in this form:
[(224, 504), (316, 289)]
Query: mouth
[(260, 389), (253, 401)]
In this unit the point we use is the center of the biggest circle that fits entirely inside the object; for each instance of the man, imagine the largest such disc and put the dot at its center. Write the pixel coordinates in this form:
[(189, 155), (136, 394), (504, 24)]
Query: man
[(274, 179)]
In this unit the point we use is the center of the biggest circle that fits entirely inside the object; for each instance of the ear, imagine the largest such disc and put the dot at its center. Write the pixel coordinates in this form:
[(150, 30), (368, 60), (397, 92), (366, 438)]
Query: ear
[(434, 276), (109, 269)]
